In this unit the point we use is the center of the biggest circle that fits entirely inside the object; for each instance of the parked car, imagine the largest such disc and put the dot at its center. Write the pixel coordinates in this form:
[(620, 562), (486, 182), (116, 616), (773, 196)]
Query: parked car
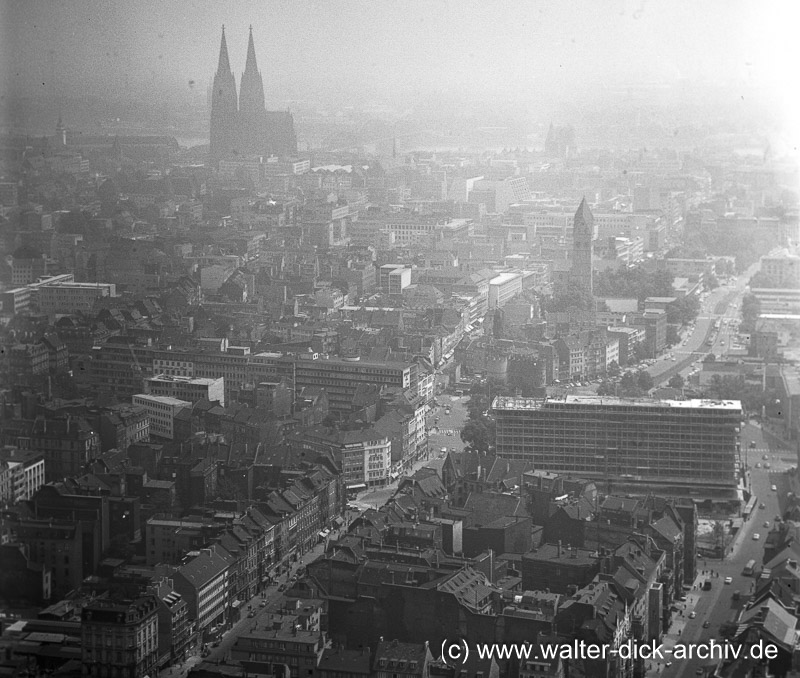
[(729, 580), (756, 536)]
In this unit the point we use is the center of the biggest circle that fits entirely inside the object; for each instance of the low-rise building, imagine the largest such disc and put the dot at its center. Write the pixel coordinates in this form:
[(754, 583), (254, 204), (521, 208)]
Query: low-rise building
[(72, 297), (187, 388)]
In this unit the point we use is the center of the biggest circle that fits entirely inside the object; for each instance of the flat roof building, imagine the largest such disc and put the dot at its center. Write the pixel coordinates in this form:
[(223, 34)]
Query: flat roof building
[(677, 445), (162, 411), (191, 389)]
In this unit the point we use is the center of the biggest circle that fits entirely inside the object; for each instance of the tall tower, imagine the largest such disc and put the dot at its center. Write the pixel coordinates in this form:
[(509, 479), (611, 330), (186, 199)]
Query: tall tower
[(224, 107), (251, 93), (582, 236), (252, 114)]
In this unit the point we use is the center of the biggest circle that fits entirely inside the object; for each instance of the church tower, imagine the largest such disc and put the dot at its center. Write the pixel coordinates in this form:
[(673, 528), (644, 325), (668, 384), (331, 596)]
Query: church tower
[(241, 127), (252, 114), (251, 93), (582, 237), (224, 107)]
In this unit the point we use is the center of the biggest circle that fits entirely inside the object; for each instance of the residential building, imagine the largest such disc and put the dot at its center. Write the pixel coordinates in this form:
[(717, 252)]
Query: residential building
[(202, 581), (67, 445), (119, 638), (394, 659)]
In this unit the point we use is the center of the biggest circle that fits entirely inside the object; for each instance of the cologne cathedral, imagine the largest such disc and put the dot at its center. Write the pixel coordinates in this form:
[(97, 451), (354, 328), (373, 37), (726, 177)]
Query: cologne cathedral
[(242, 128)]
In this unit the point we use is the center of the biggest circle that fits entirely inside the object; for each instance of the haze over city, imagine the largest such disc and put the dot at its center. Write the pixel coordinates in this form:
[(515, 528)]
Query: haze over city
[(459, 55), (399, 339)]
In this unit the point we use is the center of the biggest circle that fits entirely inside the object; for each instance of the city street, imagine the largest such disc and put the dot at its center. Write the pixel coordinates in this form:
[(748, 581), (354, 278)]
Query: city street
[(271, 595), (717, 605), (437, 439)]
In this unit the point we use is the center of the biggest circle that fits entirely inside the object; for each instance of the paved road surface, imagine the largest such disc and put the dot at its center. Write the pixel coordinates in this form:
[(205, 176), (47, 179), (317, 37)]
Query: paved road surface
[(717, 606)]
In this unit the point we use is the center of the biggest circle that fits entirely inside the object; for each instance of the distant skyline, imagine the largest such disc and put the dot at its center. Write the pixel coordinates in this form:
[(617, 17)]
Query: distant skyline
[(379, 51)]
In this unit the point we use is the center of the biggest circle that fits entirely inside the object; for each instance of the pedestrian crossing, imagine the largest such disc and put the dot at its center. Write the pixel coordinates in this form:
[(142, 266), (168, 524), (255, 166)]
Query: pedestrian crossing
[(761, 451), (446, 431)]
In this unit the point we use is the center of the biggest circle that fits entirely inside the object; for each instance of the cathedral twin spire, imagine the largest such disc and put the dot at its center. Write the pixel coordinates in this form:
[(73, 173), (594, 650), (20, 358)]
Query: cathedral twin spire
[(240, 124), (251, 92)]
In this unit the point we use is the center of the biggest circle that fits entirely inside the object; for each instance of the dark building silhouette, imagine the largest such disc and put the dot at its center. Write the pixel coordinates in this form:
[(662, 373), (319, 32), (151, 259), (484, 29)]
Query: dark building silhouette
[(560, 142), (242, 127)]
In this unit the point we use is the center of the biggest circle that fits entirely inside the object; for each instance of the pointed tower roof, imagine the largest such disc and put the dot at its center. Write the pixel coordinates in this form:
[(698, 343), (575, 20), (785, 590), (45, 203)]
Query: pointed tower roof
[(224, 65), (251, 89), (251, 64), (584, 214)]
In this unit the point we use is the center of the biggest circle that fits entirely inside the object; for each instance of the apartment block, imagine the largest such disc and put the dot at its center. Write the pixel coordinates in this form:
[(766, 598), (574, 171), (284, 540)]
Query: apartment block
[(119, 638)]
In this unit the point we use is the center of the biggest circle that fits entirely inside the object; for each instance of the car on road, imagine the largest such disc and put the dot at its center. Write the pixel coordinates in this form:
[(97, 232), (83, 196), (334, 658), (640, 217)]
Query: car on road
[(729, 580), (774, 488), (692, 614), (706, 624), (762, 505), (766, 523), (699, 672), (251, 614), (756, 536)]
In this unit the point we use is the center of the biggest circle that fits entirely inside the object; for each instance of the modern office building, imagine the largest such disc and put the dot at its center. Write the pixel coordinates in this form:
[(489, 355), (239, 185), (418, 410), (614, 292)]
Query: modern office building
[(21, 474), (72, 297), (503, 288), (162, 411), (187, 388), (690, 445)]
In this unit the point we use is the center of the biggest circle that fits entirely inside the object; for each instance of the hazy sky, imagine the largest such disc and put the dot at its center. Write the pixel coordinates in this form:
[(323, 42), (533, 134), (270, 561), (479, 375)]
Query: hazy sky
[(380, 49)]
